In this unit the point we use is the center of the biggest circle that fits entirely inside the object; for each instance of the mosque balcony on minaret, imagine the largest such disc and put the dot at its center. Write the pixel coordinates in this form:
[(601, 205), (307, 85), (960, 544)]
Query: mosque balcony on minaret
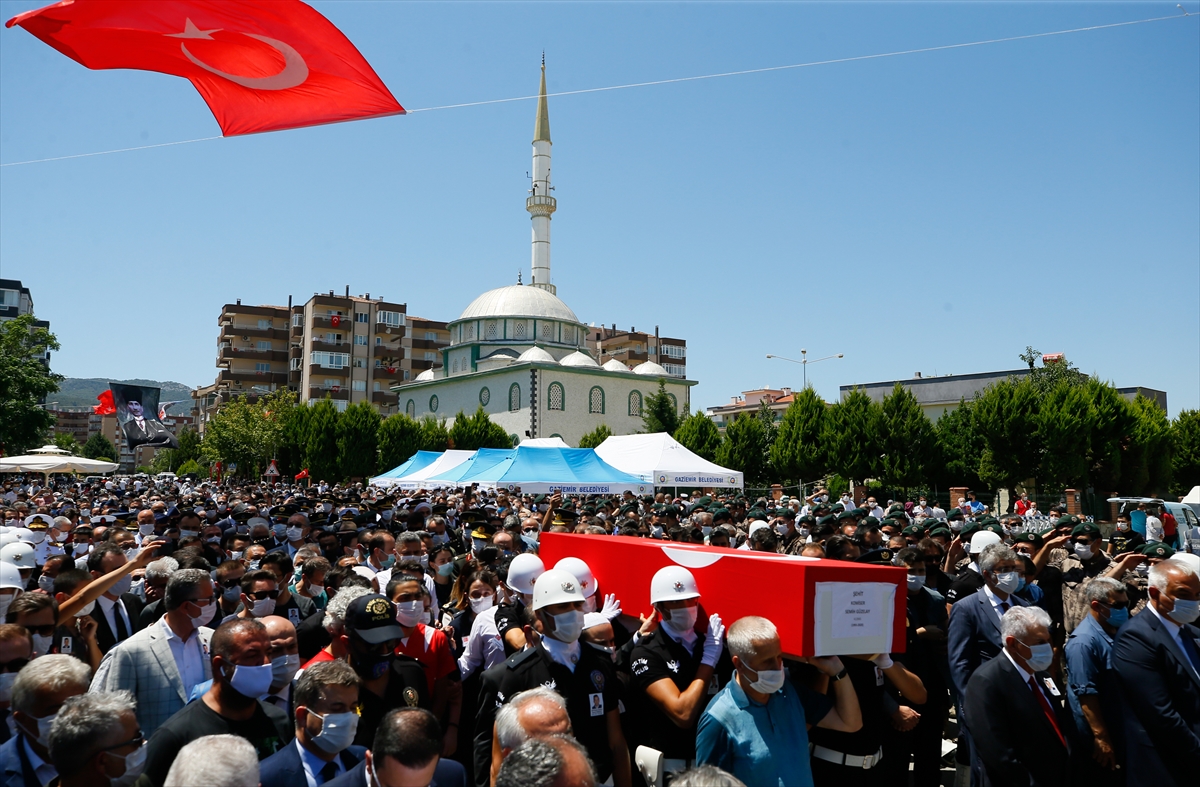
[(541, 205)]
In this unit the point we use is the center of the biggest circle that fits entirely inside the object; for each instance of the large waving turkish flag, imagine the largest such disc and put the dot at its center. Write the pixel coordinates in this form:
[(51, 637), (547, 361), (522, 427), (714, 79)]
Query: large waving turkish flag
[(261, 65)]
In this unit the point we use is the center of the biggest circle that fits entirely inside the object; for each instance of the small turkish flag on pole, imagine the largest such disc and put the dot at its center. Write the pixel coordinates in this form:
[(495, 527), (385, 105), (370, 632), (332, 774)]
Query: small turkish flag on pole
[(302, 474), (259, 65), (106, 406)]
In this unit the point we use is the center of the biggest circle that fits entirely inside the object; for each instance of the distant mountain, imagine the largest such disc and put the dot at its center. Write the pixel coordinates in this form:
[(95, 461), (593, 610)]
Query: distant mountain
[(80, 391)]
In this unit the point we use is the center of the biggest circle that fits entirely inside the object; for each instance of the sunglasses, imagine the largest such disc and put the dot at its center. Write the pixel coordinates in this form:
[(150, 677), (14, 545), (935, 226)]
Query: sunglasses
[(259, 595), (137, 740)]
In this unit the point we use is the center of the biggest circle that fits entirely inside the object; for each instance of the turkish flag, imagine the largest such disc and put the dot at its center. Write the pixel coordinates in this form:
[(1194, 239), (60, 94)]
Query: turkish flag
[(302, 474), (335, 320), (106, 406), (260, 65)]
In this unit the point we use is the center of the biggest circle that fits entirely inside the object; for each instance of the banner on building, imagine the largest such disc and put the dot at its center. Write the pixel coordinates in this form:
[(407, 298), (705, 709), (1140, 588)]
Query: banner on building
[(137, 416)]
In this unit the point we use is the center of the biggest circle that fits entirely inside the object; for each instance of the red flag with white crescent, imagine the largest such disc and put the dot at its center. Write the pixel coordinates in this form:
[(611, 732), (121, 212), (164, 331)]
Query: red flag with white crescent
[(260, 65), (106, 406)]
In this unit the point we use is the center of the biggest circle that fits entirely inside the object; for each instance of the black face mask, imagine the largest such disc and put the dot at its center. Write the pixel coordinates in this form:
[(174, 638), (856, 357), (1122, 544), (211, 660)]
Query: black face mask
[(370, 666)]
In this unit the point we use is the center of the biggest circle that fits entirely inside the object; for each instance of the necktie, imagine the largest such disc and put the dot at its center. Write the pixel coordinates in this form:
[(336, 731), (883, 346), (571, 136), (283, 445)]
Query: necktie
[(1189, 650), (1004, 605), (329, 771), (1045, 703), (122, 630)]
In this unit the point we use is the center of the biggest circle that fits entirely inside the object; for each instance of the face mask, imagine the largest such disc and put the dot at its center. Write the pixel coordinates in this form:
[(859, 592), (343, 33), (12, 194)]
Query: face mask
[(283, 668), (922, 504), (38, 536), (1143, 570), (769, 681), (915, 583), (87, 609), (482, 603), (387, 562), (5, 601), (446, 569), (230, 595), (478, 543), (41, 644), (1122, 527), (1040, 657), (337, 731), (781, 528), (1021, 585), (1084, 551), (262, 607), (6, 684), (370, 667), (1116, 617), (188, 533), (295, 533), (146, 530), (440, 538), (327, 506), (254, 565), (803, 531), (569, 625), (279, 530), (80, 549), (1185, 611), (46, 584), (956, 526), (409, 613), (205, 612), (681, 621), (61, 537), (213, 540), (252, 681), (121, 586), (1007, 581), (42, 727)]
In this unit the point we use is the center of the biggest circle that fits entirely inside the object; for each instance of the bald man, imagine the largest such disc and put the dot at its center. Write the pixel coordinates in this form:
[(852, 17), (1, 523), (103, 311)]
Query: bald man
[(535, 713)]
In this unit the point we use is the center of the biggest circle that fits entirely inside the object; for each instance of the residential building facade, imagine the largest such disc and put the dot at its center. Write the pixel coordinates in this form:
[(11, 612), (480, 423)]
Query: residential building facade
[(634, 347)]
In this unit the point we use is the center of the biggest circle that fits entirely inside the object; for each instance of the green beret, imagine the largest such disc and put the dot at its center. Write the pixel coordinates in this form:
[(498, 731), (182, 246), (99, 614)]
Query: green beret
[(1085, 529), (1066, 521), (1032, 538), (859, 512), (1156, 549), (845, 515), (993, 527), (941, 530), (828, 519), (955, 516), (913, 530), (721, 513), (870, 520), (969, 529), (625, 509), (785, 512), (757, 513), (834, 507), (896, 507), (876, 557), (807, 519)]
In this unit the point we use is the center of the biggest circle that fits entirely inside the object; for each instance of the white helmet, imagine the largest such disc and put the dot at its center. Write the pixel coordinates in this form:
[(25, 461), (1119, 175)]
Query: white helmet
[(982, 540), (673, 583), (19, 554), (1187, 559), (582, 572), (8, 538), (24, 534), (523, 571), (10, 577), (556, 586)]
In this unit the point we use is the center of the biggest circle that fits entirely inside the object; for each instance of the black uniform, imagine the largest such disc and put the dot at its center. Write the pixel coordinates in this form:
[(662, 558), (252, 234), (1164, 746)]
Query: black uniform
[(407, 687), (591, 692), (965, 584), (869, 685), (654, 658)]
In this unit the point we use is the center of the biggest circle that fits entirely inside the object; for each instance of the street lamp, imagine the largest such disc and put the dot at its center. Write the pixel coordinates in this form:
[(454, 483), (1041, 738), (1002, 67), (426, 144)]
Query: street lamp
[(804, 362)]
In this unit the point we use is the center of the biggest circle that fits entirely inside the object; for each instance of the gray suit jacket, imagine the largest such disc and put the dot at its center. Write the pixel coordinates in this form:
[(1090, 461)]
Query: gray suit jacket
[(145, 666)]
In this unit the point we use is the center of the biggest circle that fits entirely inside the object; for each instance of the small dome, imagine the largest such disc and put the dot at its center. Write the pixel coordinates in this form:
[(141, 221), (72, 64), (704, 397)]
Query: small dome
[(615, 366), (650, 368), (537, 354), (578, 358), (503, 352), (425, 375), (518, 300)]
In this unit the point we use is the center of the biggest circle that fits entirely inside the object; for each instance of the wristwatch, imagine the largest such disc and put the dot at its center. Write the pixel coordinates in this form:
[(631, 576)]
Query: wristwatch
[(839, 676)]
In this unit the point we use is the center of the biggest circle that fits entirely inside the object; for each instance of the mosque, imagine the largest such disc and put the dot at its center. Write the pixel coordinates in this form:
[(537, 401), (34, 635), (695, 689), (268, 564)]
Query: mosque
[(521, 353)]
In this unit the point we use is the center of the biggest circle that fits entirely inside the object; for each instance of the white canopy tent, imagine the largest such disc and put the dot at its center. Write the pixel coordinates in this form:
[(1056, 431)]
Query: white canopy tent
[(52, 459), (660, 460), (545, 442), (430, 475)]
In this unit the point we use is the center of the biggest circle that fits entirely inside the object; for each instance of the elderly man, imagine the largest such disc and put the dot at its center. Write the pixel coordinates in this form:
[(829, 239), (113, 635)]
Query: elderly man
[(757, 726), (241, 674), (117, 610), (551, 762), (1021, 731), (326, 700), (38, 693), (95, 741), (285, 660), (1156, 656), (1093, 693), (406, 751), (161, 664), (539, 712), (157, 574), (224, 760)]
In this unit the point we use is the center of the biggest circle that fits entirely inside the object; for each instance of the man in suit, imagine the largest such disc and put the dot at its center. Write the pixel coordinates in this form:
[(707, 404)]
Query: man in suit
[(163, 662), (140, 430), (38, 693), (406, 750), (1156, 657), (973, 636), (1021, 730), (118, 611), (326, 722)]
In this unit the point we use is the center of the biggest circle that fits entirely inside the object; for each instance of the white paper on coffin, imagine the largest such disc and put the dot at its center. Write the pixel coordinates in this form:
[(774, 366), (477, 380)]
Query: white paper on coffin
[(853, 617)]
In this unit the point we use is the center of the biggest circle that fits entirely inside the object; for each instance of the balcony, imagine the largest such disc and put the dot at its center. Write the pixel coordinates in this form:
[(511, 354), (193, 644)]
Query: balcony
[(229, 331), (382, 372), (226, 354), (337, 347), (387, 351), (541, 204), (429, 344), (252, 378), (328, 371), (320, 392), (384, 397), (629, 356)]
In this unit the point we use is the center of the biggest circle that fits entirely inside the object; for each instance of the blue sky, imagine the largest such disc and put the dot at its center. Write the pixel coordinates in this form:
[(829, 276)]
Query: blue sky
[(934, 212)]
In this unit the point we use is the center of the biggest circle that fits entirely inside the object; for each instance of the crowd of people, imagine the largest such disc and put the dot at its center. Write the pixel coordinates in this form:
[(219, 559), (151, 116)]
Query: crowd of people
[(189, 633)]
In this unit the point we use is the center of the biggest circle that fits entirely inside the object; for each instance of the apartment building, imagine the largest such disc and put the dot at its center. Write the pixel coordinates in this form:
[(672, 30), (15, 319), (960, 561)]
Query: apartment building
[(749, 402), (74, 421), (15, 300), (634, 347)]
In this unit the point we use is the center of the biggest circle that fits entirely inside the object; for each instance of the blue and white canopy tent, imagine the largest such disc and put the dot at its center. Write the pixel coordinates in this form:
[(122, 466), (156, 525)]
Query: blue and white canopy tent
[(418, 461), (572, 471), (430, 475)]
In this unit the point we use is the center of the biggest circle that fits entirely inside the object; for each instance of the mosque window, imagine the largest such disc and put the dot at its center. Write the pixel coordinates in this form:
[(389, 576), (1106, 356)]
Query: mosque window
[(470, 331), (454, 367), (674, 402), (556, 434), (492, 331), (433, 403), (596, 400), (556, 397), (635, 404), (515, 440), (485, 396), (548, 331), (411, 408), (519, 330), (514, 397), (568, 335)]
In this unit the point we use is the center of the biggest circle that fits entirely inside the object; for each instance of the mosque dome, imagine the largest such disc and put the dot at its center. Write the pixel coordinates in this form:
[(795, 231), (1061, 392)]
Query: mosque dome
[(578, 358), (518, 300), (425, 375), (650, 368), (615, 366), (538, 355)]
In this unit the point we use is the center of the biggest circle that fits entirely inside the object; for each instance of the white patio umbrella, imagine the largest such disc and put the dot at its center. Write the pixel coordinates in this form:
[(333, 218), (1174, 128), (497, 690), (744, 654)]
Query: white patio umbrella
[(58, 461)]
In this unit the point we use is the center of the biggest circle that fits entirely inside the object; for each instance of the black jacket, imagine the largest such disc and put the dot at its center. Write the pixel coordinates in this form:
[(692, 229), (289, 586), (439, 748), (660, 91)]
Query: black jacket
[(106, 638)]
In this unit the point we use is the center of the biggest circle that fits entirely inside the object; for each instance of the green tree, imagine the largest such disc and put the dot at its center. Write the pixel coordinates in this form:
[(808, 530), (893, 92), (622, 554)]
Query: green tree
[(25, 382), (852, 437), (470, 433), (1048, 376), (321, 448), (1152, 433), (659, 413), (745, 448), (67, 442), (435, 436), (960, 447), (1185, 454), (797, 453), (358, 441), (909, 440), (699, 435), (99, 447), (1111, 453), (192, 466), (595, 437), (1064, 422), (188, 450), (1005, 416), (399, 440), (247, 433), (294, 442)]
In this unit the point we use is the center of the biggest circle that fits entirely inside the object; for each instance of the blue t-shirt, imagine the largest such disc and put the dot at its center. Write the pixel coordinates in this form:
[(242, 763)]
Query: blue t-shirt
[(763, 745), (1088, 655)]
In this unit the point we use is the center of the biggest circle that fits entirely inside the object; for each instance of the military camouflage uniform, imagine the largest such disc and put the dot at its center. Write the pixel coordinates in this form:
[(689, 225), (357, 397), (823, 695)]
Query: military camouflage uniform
[(1076, 576), (1136, 589)]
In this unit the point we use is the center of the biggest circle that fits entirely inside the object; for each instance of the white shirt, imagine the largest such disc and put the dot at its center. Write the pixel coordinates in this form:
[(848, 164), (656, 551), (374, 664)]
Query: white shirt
[(189, 656), (484, 645), (996, 601), (313, 764), (562, 652), (1174, 629), (107, 606), (1026, 675)]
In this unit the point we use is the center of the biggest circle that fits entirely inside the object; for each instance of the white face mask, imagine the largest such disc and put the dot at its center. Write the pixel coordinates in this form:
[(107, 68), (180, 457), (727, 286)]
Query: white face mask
[(1007, 581), (204, 614), (1040, 656), (87, 609), (135, 763), (915, 583), (37, 537), (769, 681), (41, 731), (295, 533), (410, 613), (482, 603), (567, 625), (42, 644), (781, 528), (283, 668), (1084, 551), (252, 681), (337, 731), (262, 607), (46, 584), (146, 530), (681, 621)]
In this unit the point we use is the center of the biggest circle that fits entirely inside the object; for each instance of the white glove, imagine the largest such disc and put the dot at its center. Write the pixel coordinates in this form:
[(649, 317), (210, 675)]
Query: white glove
[(883, 661), (714, 641), (612, 608)]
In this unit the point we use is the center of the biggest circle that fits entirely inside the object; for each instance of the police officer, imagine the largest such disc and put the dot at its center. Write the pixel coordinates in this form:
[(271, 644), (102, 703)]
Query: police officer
[(675, 669), (583, 676)]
